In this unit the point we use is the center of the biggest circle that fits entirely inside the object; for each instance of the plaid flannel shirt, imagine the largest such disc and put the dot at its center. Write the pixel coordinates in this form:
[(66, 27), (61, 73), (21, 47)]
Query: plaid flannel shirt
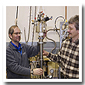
[(68, 59)]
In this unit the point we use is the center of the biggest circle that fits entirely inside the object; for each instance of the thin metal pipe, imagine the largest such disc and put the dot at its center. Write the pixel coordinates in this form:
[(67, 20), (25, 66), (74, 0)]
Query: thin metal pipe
[(34, 26), (16, 16), (51, 39), (56, 21), (25, 34), (29, 25)]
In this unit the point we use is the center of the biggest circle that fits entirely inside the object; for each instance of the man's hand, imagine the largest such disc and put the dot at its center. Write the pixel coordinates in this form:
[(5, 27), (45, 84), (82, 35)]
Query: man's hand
[(44, 34), (38, 71), (45, 53)]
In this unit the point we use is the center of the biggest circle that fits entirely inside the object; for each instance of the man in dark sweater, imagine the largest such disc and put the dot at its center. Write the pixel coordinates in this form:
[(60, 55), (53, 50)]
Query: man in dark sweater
[(17, 55)]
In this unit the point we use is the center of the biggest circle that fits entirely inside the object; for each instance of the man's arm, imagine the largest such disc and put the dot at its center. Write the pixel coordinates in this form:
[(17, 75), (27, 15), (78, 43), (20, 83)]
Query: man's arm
[(32, 50), (51, 56)]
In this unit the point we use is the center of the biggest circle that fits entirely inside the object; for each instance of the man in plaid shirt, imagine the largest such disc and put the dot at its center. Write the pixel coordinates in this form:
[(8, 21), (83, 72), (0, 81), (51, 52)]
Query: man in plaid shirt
[(68, 56)]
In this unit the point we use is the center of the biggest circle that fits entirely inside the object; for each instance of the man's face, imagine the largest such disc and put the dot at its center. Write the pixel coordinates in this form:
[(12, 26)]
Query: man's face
[(16, 36), (72, 31)]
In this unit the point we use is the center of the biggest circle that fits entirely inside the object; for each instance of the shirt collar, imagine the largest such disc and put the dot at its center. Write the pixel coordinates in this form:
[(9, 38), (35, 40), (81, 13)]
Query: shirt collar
[(18, 48), (76, 42)]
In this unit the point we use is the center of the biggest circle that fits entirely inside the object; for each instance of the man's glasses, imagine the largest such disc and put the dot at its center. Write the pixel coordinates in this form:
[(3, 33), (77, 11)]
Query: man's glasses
[(17, 33)]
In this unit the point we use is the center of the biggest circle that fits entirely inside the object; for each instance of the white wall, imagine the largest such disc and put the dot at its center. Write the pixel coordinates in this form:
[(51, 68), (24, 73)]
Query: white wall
[(23, 19), (73, 10)]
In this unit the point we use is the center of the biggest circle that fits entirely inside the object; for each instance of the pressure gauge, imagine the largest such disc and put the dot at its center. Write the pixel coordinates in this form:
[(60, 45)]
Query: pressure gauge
[(51, 71)]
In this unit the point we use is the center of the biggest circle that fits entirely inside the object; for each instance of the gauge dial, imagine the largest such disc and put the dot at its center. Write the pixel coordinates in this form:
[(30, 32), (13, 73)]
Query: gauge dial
[(51, 71)]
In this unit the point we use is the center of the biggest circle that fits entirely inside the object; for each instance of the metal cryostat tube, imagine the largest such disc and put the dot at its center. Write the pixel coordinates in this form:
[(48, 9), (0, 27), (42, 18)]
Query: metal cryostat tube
[(41, 47)]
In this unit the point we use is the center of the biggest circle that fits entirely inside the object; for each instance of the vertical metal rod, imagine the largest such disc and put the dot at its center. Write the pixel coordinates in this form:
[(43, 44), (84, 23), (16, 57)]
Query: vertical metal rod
[(34, 26), (65, 12), (16, 16), (24, 34), (41, 56), (29, 25), (41, 47)]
